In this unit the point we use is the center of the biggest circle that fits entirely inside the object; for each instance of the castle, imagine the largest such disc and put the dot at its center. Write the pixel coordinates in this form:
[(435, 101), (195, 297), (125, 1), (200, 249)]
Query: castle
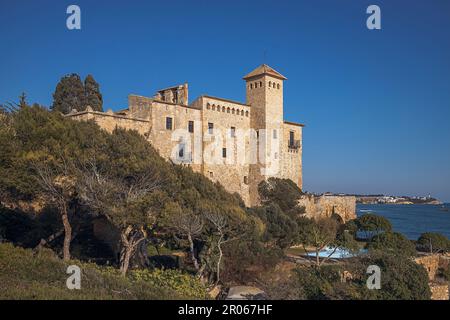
[(236, 144)]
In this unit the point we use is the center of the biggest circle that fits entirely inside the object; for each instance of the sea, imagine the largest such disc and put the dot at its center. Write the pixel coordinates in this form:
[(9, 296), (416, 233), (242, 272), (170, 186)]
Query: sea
[(412, 219)]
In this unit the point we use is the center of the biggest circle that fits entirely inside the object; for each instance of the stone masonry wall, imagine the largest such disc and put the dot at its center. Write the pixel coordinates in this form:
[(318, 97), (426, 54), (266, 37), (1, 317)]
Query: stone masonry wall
[(325, 206)]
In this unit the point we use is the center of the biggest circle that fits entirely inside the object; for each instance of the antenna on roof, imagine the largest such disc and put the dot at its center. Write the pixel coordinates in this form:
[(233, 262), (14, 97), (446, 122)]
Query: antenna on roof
[(264, 56)]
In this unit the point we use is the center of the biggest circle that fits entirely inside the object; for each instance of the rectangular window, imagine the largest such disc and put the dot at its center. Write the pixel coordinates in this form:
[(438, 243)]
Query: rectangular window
[(210, 128), (224, 152), (169, 123), (211, 174), (233, 132), (245, 179), (191, 126), (275, 134), (291, 138)]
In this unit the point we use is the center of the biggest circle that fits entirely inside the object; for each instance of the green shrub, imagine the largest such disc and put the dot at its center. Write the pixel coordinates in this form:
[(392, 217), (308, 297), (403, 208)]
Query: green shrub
[(393, 243), (435, 242), (184, 284)]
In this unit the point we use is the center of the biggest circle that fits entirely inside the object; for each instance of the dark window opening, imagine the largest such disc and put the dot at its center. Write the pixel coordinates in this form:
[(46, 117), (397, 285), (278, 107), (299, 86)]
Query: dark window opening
[(191, 126), (224, 152), (169, 123), (210, 128)]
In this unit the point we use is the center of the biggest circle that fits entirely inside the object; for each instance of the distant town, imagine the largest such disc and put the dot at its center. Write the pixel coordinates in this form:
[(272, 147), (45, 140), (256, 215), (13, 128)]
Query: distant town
[(389, 199)]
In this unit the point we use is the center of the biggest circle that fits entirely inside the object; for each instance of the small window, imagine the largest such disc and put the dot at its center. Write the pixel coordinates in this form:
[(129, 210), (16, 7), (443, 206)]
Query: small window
[(278, 86), (276, 155), (223, 109), (257, 134), (245, 179), (242, 113), (260, 84), (275, 134), (256, 85), (210, 128), (246, 113), (211, 174), (233, 132), (213, 107), (270, 84), (291, 138), (251, 85), (169, 123), (228, 110), (233, 111), (191, 126), (224, 152)]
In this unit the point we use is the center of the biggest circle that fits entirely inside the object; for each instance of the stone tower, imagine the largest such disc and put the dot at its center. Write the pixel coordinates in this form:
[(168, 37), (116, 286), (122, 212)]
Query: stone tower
[(264, 87)]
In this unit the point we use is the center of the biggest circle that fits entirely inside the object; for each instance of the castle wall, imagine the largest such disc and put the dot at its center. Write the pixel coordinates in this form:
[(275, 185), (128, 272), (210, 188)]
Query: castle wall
[(233, 170), (291, 157), (325, 206), (109, 121), (167, 141)]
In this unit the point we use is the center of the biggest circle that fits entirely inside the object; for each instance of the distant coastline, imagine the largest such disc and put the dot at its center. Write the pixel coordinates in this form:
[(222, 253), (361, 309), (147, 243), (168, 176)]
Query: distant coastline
[(389, 199), (397, 200)]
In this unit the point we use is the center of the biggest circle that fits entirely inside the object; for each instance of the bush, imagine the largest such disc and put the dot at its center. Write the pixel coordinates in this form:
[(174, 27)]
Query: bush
[(393, 243), (433, 242), (401, 278), (371, 225), (173, 280)]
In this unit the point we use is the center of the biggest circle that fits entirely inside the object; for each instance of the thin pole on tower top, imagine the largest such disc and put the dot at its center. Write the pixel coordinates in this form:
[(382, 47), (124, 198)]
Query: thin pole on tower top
[(264, 56)]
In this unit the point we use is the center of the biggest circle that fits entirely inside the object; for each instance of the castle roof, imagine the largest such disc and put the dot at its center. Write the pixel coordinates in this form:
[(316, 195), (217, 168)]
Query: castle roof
[(264, 69)]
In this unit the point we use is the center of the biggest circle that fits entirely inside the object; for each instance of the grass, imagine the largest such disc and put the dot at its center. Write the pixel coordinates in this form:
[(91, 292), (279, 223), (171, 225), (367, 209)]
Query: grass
[(41, 276)]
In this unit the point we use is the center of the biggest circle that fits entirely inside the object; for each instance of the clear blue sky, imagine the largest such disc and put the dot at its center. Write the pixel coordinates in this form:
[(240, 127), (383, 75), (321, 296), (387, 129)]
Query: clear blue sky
[(376, 104)]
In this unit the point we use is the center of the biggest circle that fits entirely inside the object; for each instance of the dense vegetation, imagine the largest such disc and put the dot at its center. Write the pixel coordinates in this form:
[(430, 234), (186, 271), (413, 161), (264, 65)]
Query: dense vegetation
[(28, 275)]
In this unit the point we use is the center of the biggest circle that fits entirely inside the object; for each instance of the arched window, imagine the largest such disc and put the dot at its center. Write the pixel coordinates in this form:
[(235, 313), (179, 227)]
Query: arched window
[(270, 84), (223, 109), (213, 107), (228, 110), (233, 111), (246, 113), (278, 86), (256, 85), (208, 106), (260, 84), (242, 113), (251, 85)]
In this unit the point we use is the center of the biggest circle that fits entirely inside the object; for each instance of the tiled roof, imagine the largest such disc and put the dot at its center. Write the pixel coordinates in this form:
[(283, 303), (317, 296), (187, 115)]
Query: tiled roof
[(265, 69)]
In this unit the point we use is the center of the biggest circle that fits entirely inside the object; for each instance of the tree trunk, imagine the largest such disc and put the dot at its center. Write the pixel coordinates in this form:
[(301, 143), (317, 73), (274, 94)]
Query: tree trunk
[(194, 259), (218, 262), (125, 257), (67, 234), (131, 238)]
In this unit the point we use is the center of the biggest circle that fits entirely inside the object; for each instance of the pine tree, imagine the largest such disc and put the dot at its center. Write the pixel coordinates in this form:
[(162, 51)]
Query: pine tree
[(92, 93), (69, 94)]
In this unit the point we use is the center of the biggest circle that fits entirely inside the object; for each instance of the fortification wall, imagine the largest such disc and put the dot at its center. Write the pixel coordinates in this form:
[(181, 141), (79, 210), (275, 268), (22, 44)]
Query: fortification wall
[(110, 121), (439, 291), (325, 206)]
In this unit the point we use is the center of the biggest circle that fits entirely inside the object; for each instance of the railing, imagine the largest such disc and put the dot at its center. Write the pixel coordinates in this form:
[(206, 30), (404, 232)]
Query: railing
[(294, 144)]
